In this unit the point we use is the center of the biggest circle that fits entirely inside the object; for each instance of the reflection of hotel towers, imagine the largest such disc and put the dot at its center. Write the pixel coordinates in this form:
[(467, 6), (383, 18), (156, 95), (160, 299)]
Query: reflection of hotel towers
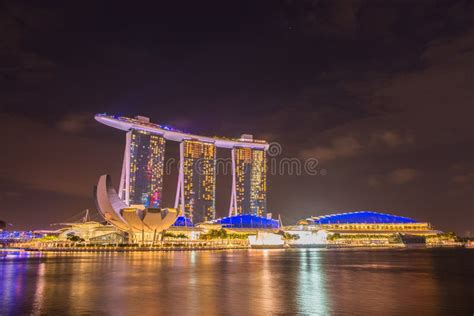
[(197, 181), (249, 185), (142, 172)]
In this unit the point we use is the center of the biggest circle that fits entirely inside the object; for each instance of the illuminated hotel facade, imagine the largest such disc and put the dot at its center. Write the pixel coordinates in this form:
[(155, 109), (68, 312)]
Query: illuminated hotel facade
[(141, 182), (249, 183), (197, 181)]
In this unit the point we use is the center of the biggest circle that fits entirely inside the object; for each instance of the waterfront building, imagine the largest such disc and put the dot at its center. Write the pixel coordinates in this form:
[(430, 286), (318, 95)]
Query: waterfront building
[(141, 183), (363, 228), (249, 181), (142, 174), (10, 236), (143, 225), (197, 181), (92, 233), (366, 222), (266, 240), (246, 221)]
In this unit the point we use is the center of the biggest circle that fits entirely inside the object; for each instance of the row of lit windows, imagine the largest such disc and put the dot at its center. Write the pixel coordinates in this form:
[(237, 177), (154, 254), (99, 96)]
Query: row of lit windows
[(146, 168), (147, 155), (250, 177), (199, 188), (411, 226)]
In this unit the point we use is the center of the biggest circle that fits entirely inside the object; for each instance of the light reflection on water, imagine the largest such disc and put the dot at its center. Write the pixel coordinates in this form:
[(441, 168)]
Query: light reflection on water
[(311, 284), (306, 281)]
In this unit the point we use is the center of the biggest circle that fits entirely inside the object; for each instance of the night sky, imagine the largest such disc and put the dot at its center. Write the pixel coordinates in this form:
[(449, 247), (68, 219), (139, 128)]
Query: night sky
[(380, 92)]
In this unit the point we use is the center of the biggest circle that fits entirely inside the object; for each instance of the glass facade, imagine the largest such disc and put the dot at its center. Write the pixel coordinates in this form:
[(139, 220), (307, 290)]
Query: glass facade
[(199, 169), (250, 180), (147, 153)]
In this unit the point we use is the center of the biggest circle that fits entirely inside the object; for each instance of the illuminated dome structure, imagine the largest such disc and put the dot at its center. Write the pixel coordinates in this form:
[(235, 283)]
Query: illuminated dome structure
[(141, 224), (362, 217), (182, 221), (247, 221), (368, 228), (368, 221)]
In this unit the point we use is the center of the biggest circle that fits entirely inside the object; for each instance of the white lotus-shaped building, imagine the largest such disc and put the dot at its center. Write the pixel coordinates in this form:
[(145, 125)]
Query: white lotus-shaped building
[(141, 224)]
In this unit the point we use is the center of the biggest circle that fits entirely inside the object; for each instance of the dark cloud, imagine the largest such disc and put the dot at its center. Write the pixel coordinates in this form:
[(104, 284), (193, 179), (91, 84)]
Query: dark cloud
[(398, 176), (341, 147), (48, 159), (464, 178), (18, 63), (75, 123)]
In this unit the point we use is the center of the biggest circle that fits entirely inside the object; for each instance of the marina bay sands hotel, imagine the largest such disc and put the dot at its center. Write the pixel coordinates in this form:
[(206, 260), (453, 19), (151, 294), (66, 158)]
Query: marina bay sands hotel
[(141, 181)]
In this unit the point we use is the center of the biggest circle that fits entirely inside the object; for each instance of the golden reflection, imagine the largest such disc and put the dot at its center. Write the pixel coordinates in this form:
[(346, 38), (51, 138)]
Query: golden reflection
[(268, 290), (312, 296), (258, 282), (374, 281)]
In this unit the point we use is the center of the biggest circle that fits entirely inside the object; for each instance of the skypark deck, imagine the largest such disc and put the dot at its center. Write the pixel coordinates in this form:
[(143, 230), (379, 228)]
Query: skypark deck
[(126, 124)]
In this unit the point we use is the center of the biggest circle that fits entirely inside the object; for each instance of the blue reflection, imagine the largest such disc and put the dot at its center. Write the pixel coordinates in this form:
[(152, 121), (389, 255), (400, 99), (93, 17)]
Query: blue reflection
[(13, 286)]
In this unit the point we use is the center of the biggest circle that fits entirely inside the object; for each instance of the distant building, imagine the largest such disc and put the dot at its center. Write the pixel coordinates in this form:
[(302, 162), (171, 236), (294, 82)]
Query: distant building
[(367, 222), (359, 229), (93, 232), (7, 236), (246, 221)]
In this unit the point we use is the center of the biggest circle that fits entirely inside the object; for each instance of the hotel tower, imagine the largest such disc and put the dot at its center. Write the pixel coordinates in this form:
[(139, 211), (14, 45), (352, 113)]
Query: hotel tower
[(196, 192), (141, 182), (249, 182)]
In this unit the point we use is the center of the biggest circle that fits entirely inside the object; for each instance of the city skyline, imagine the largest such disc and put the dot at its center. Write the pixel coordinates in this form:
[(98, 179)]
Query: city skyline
[(379, 92), (289, 157)]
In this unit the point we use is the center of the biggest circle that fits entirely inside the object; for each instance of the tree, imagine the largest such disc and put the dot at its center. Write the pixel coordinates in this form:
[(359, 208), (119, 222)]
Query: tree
[(288, 236), (215, 234), (182, 236), (72, 237)]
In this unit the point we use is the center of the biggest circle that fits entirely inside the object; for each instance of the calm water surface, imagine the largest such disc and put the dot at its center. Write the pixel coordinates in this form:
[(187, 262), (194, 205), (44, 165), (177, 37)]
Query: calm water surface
[(240, 282)]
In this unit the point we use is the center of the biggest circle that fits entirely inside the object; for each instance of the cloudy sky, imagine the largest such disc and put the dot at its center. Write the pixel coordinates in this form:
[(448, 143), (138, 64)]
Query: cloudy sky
[(380, 92)]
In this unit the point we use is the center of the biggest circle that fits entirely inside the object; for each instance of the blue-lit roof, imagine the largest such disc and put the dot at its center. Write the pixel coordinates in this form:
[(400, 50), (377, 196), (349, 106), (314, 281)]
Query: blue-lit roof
[(18, 235), (364, 217), (182, 221), (247, 221)]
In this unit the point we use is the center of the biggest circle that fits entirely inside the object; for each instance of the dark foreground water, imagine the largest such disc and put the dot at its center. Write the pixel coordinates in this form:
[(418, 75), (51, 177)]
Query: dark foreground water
[(240, 282)]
